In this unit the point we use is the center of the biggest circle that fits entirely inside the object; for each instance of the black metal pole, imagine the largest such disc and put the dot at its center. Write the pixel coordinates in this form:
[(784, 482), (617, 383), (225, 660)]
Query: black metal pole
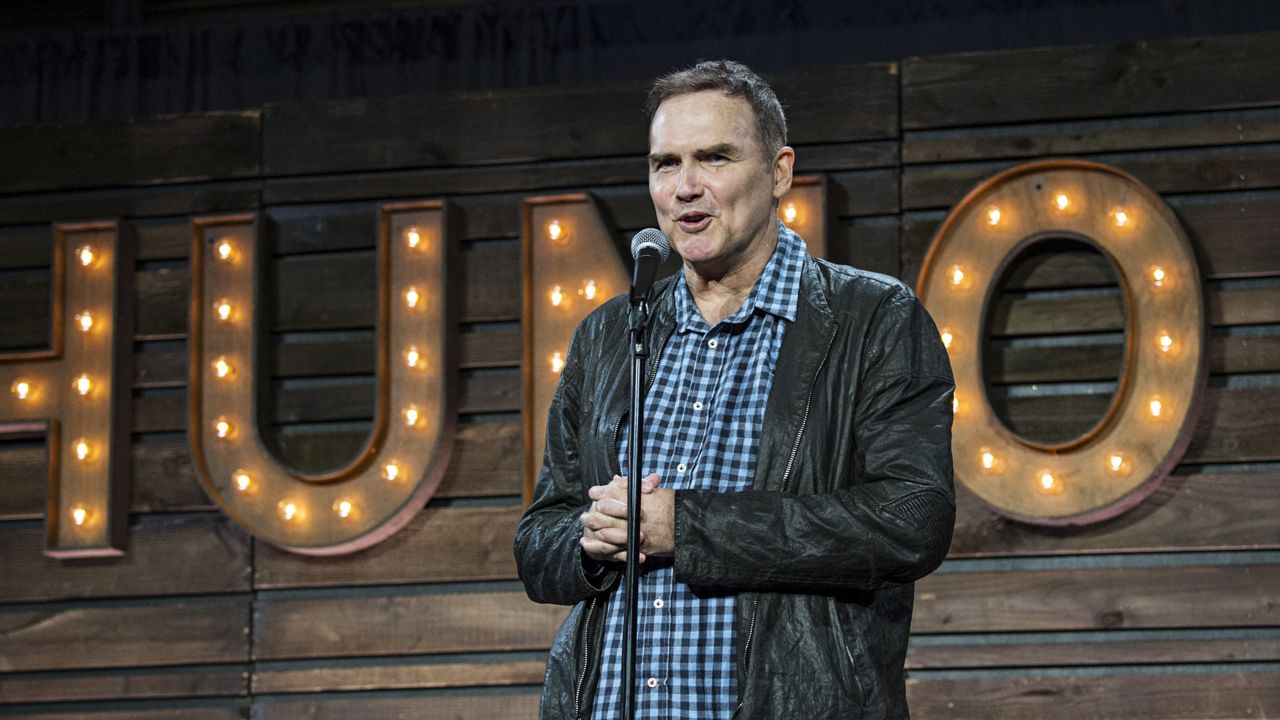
[(639, 352)]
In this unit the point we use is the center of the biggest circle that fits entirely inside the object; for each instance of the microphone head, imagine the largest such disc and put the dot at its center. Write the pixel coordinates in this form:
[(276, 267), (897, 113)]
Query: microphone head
[(653, 238)]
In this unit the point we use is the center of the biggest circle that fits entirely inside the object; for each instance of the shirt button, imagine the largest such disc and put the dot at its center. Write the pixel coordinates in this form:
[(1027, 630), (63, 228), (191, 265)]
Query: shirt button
[(652, 682), (711, 344), (658, 603), (697, 406), (681, 468)]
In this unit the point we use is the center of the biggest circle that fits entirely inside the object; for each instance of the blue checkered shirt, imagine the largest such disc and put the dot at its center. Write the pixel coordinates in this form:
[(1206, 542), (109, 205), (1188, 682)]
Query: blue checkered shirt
[(704, 411)]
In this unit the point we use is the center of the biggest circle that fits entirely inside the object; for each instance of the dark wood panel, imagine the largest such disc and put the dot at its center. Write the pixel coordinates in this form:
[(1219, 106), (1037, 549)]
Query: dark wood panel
[(863, 192), (175, 710), (150, 683), (163, 238), (26, 246), (1116, 695), (180, 555), (399, 676), (1231, 233), (1202, 596), (549, 123), (1199, 170), (208, 146), (401, 623), (194, 199), (496, 390), (1204, 129), (505, 706), (444, 544), (1187, 512), (1126, 649), (486, 462), (1103, 81), (866, 243), (25, 309), (1007, 364), (171, 632)]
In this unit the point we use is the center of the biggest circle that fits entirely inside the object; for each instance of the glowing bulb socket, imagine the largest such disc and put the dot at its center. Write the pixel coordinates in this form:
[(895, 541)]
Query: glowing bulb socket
[(79, 514), (288, 511), (242, 481), (557, 232), (391, 472), (21, 389)]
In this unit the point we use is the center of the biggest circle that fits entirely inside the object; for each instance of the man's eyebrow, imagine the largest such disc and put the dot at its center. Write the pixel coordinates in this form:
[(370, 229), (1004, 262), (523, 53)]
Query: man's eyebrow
[(719, 149)]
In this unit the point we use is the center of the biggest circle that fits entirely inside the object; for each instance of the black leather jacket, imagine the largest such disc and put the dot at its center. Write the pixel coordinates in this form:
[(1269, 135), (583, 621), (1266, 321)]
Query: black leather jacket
[(852, 501)]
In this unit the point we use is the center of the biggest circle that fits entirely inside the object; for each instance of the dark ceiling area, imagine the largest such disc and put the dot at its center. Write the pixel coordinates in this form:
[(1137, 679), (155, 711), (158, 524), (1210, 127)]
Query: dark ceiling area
[(63, 61)]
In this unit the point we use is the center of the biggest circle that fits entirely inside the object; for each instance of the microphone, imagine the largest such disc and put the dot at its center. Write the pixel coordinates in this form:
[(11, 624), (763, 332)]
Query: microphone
[(649, 248)]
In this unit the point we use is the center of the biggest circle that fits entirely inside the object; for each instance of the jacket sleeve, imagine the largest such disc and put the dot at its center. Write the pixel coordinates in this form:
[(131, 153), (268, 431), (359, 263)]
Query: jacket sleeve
[(549, 559), (892, 524)]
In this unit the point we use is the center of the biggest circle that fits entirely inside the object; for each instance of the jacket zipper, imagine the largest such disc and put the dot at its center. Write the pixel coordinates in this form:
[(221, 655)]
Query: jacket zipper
[(586, 650), (586, 659), (786, 480)]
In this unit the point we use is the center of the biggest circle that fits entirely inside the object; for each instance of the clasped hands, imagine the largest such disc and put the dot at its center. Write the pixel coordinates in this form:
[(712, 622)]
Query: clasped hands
[(604, 524)]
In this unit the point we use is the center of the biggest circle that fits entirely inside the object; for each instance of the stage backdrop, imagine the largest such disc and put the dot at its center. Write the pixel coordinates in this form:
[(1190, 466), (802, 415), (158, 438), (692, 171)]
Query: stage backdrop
[(1171, 610)]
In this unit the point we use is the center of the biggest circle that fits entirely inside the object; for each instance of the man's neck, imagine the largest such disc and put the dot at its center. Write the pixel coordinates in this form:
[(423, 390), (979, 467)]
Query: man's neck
[(718, 295)]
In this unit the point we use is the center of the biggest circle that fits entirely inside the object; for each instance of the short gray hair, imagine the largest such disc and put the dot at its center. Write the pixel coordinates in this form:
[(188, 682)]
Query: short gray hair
[(733, 79)]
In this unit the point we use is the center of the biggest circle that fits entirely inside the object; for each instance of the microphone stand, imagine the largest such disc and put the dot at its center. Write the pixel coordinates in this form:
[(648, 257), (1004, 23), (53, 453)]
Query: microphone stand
[(639, 320)]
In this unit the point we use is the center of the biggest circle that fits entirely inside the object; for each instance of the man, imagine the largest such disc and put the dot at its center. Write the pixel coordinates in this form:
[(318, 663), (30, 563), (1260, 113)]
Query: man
[(798, 436)]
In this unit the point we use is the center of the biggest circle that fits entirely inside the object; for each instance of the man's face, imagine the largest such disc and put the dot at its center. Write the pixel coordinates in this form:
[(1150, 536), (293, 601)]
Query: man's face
[(712, 182)]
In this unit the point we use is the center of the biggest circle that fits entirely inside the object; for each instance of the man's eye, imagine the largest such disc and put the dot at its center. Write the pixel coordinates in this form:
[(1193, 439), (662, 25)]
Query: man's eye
[(717, 159), (665, 164)]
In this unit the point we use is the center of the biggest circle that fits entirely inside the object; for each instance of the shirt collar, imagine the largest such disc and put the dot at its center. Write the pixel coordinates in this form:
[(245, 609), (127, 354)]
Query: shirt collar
[(776, 292)]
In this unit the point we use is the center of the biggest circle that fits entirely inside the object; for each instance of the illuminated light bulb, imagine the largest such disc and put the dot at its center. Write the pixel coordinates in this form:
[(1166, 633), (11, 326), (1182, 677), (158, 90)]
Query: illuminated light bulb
[(556, 232), (1117, 464), (288, 510), (1164, 341), (86, 255), (343, 508), (1155, 406), (1120, 218), (1061, 201), (223, 428), (79, 514), (82, 384), (224, 250), (21, 389), (82, 449), (556, 295), (412, 298), (1158, 276), (988, 460), (391, 472), (84, 321), (222, 368), (955, 404), (412, 238), (223, 310), (589, 290), (413, 358), (947, 338), (242, 480), (1048, 482), (790, 213), (557, 362), (993, 216), (412, 416), (958, 277)]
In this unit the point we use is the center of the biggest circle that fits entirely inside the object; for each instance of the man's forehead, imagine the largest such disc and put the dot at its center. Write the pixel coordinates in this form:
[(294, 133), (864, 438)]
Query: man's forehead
[(701, 119)]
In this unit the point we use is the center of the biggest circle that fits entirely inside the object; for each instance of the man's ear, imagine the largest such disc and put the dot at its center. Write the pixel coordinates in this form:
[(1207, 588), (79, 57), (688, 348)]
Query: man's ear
[(783, 164)]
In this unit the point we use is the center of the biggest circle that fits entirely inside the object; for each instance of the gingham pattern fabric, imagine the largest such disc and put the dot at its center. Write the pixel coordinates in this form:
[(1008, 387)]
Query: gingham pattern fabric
[(703, 415)]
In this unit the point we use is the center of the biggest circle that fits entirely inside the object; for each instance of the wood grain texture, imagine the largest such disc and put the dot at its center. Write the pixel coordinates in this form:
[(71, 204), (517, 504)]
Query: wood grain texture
[(1201, 596), (1124, 649), (147, 683), (407, 622), (1187, 512), (1102, 81), (196, 710), (444, 544), (506, 706), (181, 555), (398, 676), (1049, 139), (214, 145), (116, 635), (1119, 695)]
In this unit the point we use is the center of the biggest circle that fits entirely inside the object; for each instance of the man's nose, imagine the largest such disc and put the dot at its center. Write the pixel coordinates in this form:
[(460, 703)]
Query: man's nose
[(689, 184)]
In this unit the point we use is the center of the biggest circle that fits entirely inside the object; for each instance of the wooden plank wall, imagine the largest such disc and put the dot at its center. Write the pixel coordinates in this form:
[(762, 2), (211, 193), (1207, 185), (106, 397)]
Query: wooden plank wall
[(1172, 610)]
